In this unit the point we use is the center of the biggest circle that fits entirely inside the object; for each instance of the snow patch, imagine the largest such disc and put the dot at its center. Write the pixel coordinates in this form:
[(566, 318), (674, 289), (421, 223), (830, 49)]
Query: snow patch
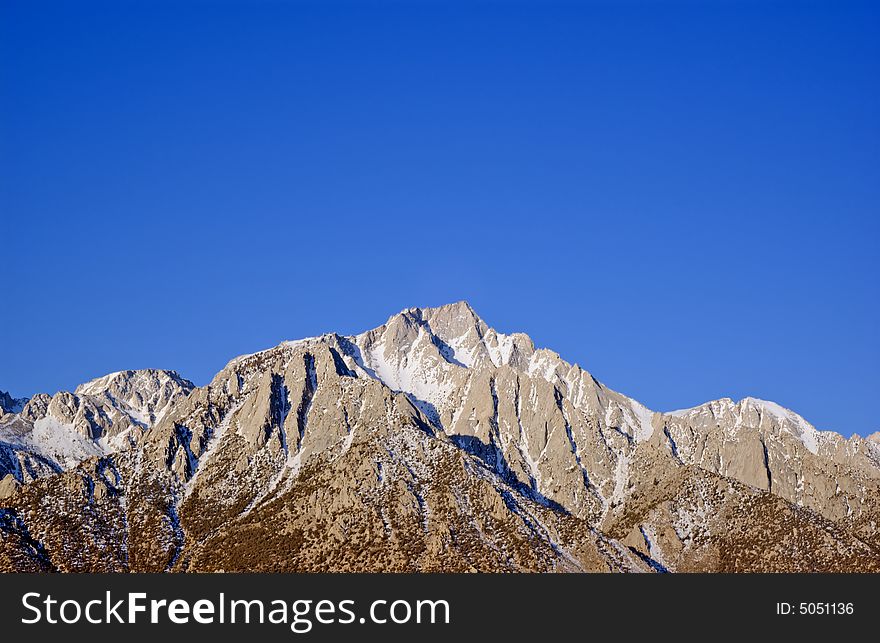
[(62, 443), (501, 349), (644, 429), (410, 374), (460, 352)]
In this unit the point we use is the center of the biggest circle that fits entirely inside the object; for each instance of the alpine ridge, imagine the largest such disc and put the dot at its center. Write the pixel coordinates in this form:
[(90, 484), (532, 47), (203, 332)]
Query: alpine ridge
[(430, 443)]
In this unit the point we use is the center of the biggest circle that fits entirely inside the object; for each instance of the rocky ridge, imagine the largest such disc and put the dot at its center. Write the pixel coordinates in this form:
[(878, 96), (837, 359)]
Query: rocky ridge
[(432, 442)]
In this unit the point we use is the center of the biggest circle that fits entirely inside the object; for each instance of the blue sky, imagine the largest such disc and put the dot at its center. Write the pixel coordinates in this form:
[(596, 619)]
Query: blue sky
[(680, 197)]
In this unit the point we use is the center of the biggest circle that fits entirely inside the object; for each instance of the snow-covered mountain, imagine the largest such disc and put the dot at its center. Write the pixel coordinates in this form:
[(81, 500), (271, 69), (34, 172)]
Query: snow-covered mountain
[(47, 434), (432, 442)]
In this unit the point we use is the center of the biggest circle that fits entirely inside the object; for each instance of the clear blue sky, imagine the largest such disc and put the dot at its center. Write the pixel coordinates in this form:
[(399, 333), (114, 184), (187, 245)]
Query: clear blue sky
[(680, 197)]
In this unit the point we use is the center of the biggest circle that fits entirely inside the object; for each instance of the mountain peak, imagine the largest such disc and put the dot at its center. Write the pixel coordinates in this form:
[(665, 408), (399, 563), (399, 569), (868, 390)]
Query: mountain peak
[(459, 308), (458, 315), (455, 320)]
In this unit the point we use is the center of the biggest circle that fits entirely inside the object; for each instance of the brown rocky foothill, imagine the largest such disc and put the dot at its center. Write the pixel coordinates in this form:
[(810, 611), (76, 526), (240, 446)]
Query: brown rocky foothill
[(431, 443)]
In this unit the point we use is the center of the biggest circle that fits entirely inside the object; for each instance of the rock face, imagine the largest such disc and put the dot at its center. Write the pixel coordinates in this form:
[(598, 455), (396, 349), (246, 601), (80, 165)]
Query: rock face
[(430, 443)]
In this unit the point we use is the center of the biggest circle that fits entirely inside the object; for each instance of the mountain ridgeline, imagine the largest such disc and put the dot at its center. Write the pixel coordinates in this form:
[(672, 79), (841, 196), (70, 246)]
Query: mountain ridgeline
[(431, 443)]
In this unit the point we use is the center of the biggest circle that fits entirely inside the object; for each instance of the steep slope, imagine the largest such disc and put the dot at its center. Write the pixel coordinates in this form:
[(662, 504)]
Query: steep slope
[(433, 442)]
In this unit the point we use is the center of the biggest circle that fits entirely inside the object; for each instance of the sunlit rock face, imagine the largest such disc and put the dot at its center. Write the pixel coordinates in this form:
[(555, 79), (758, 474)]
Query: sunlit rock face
[(430, 443)]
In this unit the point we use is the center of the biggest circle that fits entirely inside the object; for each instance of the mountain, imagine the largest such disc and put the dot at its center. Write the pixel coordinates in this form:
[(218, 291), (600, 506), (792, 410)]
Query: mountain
[(46, 435), (431, 443)]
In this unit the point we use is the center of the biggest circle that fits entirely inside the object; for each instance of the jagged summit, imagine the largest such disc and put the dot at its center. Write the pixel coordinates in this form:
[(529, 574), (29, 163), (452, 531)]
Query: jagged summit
[(455, 310), (461, 336)]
